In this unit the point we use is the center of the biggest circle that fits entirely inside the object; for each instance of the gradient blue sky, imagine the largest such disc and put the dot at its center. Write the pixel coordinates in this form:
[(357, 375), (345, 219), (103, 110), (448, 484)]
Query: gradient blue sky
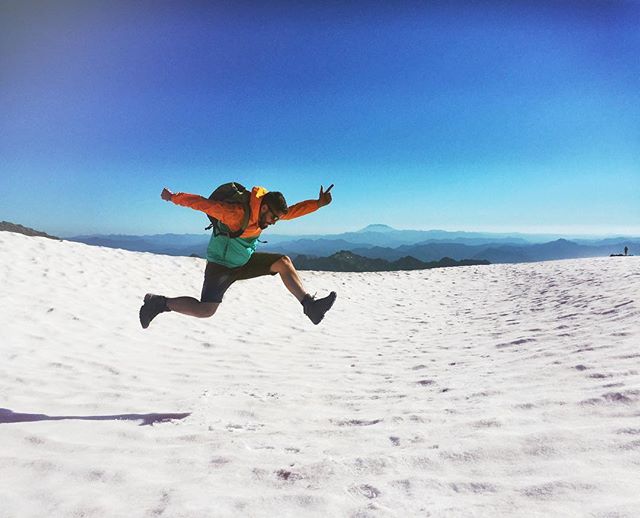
[(495, 116)]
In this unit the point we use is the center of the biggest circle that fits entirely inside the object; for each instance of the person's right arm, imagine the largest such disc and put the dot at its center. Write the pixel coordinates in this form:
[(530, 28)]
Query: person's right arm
[(228, 213)]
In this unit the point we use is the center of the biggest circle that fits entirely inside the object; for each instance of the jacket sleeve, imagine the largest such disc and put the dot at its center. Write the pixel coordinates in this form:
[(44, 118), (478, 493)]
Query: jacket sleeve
[(301, 209), (228, 213)]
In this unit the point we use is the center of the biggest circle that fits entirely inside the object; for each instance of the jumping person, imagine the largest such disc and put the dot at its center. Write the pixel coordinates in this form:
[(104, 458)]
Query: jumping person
[(231, 254)]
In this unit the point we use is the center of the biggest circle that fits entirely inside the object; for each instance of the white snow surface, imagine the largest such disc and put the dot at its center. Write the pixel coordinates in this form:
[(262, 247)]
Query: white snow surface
[(502, 390)]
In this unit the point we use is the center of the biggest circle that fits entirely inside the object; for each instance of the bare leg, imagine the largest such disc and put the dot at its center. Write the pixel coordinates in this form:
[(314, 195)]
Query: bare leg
[(192, 307), (289, 277), (314, 308)]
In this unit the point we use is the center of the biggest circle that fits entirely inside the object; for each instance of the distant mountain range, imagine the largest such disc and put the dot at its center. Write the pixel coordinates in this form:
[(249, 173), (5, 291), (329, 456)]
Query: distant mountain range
[(384, 242), (377, 247), (346, 261), (496, 252), (167, 244)]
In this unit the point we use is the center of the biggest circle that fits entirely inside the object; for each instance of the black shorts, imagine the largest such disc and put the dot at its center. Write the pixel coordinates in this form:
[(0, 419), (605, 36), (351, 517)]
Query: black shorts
[(218, 278)]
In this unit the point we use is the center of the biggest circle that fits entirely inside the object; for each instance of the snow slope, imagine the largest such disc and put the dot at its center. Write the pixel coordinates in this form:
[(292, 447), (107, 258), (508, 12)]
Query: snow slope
[(504, 390)]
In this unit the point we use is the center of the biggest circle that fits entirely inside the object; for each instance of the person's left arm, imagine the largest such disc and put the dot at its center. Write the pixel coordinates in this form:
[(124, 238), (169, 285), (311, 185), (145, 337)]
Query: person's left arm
[(308, 206)]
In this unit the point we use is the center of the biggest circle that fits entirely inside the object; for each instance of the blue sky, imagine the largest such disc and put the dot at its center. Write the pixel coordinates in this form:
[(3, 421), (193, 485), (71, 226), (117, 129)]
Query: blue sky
[(495, 116)]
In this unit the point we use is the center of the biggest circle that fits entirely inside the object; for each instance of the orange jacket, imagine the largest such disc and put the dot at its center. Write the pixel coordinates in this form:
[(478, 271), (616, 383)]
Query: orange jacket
[(232, 214)]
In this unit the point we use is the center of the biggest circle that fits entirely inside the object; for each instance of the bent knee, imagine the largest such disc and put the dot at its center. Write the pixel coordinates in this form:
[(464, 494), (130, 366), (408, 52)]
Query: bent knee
[(207, 309), (282, 264)]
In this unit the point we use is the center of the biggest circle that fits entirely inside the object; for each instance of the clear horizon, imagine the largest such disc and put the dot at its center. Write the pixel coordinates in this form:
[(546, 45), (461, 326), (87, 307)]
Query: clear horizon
[(493, 117), (274, 231)]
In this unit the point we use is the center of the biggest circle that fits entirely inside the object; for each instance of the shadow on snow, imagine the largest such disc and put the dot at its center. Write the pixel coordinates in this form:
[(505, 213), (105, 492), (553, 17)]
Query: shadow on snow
[(8, 416)]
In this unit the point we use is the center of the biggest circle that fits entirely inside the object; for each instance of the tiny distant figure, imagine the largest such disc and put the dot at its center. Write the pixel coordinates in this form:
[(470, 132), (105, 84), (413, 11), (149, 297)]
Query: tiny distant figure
[(626, 250), (238, 216)]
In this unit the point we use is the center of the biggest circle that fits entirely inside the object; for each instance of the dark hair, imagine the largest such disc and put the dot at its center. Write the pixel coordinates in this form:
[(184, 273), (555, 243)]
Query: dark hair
[(276, 202)]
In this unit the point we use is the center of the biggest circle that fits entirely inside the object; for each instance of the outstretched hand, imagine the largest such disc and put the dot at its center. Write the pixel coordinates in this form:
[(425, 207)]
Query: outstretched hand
[(324, 198), (166, 194)]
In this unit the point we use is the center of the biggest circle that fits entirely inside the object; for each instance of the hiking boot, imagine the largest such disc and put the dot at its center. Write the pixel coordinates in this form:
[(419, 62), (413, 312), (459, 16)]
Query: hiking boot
[(152, 307), (316, 308)]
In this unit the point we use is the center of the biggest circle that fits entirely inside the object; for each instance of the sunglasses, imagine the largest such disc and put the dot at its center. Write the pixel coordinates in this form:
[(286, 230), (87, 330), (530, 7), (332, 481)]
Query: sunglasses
[(274, 216)]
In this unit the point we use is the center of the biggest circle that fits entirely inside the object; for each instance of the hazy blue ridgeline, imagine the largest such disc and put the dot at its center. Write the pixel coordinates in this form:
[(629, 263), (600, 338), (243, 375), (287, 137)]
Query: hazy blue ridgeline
[(382, 242)]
